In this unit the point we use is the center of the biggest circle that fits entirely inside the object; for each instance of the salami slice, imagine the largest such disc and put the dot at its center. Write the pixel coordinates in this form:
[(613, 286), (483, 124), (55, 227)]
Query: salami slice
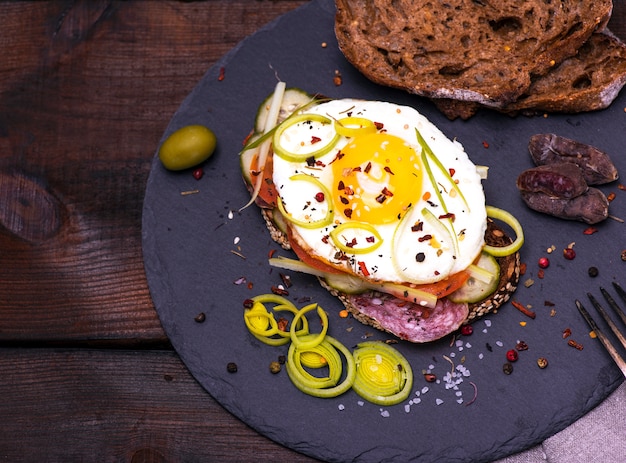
[(405, 320)]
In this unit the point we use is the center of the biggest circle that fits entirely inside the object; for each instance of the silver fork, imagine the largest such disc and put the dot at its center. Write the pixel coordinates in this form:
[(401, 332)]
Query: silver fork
[(619, 360)]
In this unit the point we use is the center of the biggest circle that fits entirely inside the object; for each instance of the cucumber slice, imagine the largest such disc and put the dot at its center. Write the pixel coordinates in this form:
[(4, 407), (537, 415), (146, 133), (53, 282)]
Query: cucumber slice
[(292, 100), (345, 283), (475, 290), (245, 160)]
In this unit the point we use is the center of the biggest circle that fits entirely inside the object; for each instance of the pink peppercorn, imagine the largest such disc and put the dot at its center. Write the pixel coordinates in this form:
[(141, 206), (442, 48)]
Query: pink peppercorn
[(467, 330), (512, 355), (319, 197), (569, 253), (543, 262), (198, 173)]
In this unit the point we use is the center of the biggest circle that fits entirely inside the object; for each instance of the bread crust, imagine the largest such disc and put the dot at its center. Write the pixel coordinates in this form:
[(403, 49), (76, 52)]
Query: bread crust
[(476, 51)]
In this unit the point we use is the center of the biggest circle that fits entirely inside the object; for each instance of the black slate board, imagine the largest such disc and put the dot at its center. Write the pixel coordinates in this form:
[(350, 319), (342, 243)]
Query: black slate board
[(189, 239)]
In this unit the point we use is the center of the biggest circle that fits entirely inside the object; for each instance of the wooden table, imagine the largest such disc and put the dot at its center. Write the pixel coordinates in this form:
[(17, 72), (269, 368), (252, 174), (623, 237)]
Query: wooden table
[(86, 90)]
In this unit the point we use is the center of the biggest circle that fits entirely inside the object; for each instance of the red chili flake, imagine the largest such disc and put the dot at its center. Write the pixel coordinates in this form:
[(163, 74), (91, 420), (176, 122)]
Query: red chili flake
[(590, 230), (282, 324), (512, 355), (522, 268), (567, 332), (351, 244), (522, 308), (621, 186), (356, 169), (467, 330), (279, 291), (248, 303), (381, 198), (370, 239), (424, 238), (610, 197), (540, 274), (271, 253), (549, 303), (250, 285), (349, 191), (198, 173), (286, 279), (388, 169), (368, 167), (325, 239), (344, 200), (430, 377), (319, 197), (379, 125), (575, 344), (521, 345), (387, 192), (417, 227), (363, 269), (449, 215), (452, 171), (569, 253), (485, 144), (222, 73), (347, 212), (315, 140)]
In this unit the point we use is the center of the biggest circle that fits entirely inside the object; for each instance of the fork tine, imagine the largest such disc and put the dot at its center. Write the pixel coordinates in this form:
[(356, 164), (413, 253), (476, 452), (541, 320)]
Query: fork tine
[(603, 339), (616, 308), (622, 294), (607, 318)]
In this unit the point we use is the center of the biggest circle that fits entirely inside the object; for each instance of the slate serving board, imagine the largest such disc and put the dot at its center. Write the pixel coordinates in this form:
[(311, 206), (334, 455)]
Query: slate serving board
[(202, 255)]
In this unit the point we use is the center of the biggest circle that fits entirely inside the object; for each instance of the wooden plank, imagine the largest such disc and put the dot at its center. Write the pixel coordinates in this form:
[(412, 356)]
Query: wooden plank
[(115, 405), (86, 91)]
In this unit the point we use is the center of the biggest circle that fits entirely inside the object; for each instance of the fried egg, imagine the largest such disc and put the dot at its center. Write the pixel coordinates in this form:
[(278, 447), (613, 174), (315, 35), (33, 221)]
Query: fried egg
[(376, 190)]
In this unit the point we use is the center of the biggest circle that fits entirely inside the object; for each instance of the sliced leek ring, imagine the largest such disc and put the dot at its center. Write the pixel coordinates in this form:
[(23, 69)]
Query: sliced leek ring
[(383, 375), (354, 126), (511, 221), (324, 221), (291, 156), (337, 232)]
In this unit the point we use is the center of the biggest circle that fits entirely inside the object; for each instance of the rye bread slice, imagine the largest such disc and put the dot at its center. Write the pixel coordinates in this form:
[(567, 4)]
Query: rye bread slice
[(469, 50), (589, 81)]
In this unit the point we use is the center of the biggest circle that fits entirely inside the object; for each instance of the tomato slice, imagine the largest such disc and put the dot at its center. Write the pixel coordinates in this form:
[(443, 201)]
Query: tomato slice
[(448, 286), (268, 192), (440, 288), (310, 260)]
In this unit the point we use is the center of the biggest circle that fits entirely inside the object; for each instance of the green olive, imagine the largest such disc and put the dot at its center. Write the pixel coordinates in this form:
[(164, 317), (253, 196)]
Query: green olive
[(187, 147)]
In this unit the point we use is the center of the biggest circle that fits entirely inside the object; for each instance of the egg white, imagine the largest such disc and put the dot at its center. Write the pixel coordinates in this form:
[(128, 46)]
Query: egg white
[(395, 258)]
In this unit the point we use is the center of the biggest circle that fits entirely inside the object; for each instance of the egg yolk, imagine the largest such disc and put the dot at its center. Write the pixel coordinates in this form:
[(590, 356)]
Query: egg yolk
[(376, 178)]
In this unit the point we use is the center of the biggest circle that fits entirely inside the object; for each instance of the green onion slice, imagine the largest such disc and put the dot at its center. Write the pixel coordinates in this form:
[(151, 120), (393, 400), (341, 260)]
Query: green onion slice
[(383, 375), (303, 385), (510, 220), (353, 126), (427, 153), (336, 235), (324, 221), (284, 153)]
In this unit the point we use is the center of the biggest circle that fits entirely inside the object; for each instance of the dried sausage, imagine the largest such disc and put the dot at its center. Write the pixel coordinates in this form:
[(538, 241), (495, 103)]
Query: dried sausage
[(595, 164), (590, 207), (563, 180)]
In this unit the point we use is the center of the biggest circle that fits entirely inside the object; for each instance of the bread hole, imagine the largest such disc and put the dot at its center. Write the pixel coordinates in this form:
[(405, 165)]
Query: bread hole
[(452, 70), (505, 25), (575, 28), (465, 41), (582, 82)]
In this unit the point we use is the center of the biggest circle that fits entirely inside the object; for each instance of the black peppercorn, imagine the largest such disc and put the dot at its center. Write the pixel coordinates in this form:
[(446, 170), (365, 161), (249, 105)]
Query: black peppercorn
[(507, 368), (231, 367), (593, 272)]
